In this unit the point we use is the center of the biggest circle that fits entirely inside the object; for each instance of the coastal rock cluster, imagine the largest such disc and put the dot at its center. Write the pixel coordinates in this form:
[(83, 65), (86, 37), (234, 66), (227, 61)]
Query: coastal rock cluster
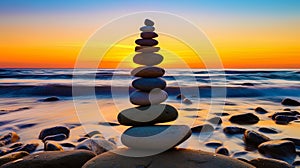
[(149, 96)]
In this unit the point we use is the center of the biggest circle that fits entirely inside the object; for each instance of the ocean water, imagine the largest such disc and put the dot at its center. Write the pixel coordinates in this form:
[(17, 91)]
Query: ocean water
[(264, 83), (234, 91)]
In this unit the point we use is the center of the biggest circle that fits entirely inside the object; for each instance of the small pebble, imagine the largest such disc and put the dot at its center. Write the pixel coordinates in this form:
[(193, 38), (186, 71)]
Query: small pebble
[(222, 150)]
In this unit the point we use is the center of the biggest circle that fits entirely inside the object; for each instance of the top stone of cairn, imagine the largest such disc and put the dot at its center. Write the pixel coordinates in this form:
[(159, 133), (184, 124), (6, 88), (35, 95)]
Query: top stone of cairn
[(148, 22)]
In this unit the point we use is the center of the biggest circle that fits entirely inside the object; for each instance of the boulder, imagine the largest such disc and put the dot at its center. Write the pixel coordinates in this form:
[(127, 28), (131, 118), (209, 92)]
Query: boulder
[(175, 158), (53, 159)]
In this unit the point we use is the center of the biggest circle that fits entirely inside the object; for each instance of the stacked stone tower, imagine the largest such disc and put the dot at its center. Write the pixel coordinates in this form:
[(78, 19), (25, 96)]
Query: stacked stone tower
[(145, 134)]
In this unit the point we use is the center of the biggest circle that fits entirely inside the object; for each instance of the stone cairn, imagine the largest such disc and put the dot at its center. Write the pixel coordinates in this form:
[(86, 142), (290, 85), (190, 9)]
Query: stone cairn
[(149, 94)]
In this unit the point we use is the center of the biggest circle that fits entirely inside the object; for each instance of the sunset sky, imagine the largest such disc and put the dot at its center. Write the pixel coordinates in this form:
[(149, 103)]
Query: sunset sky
[(246, 34)]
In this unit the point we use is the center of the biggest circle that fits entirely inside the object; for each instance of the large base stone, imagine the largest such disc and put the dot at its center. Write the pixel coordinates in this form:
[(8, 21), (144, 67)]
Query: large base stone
[(175, 158)]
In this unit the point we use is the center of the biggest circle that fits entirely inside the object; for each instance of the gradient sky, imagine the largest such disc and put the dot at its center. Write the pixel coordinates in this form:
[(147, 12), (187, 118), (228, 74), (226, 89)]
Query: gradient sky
[(246, 34)]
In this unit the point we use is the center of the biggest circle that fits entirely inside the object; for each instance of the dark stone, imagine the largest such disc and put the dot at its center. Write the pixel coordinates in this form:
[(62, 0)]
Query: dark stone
[(110, 124), (283, 119), (12, 156), (239, 154), (187, 101), (269, 163), (51, 99), (148, 72), (203, 128), (148, 35), (268, 130), (9, 138), (296, 163), (146, 42), (222, 150), (233, 130), (247, 118), (247, 84), (254, 138), (147, 84), (180, 97), (23, 126), (16, 144), (214, 144), (278, 149), (68, 145), (221, 114), (57, 137), (216, 120), (287, 109), (295, 140), (82, 139), (52, 146), (290, 102), (31, 147), (147, 115), (53, 159), (285, 113), (148, 22), (92, 133), (54, 131), (260, 110)]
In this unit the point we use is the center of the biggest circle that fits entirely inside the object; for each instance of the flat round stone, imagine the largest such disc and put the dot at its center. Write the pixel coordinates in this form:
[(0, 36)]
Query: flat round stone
[(148, 35), (146, 49), (146, 42), (148, 72), (147, 84), (147, 115), (148, 59), (148, 22), (147, 29), (156, 96), (155, 137)]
